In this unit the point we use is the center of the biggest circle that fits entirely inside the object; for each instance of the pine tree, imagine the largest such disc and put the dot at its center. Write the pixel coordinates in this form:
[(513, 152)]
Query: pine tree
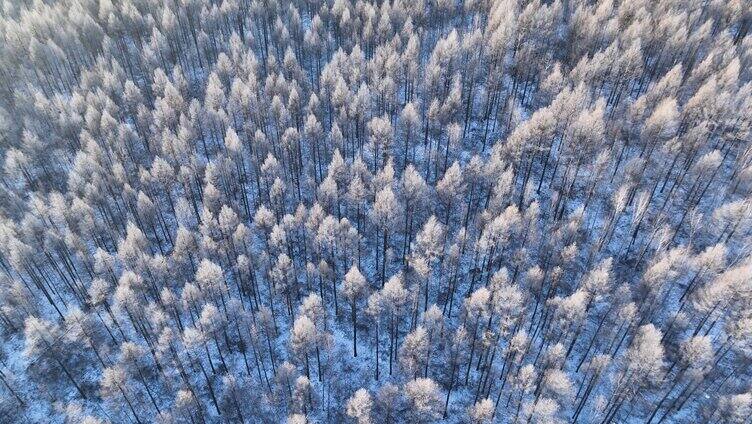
[(424, 398), (413, 351), (359, 406), (354, 289), (384, 214)]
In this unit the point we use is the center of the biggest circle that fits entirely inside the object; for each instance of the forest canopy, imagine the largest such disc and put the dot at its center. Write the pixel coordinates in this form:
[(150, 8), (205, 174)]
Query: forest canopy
[(392, 211)]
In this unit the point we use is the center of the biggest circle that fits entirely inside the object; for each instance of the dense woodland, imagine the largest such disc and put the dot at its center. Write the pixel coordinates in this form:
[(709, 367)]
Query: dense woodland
[(333, 211)]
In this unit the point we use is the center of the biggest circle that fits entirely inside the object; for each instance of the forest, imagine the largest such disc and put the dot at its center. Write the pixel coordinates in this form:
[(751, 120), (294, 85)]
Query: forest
[(375, 211)]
